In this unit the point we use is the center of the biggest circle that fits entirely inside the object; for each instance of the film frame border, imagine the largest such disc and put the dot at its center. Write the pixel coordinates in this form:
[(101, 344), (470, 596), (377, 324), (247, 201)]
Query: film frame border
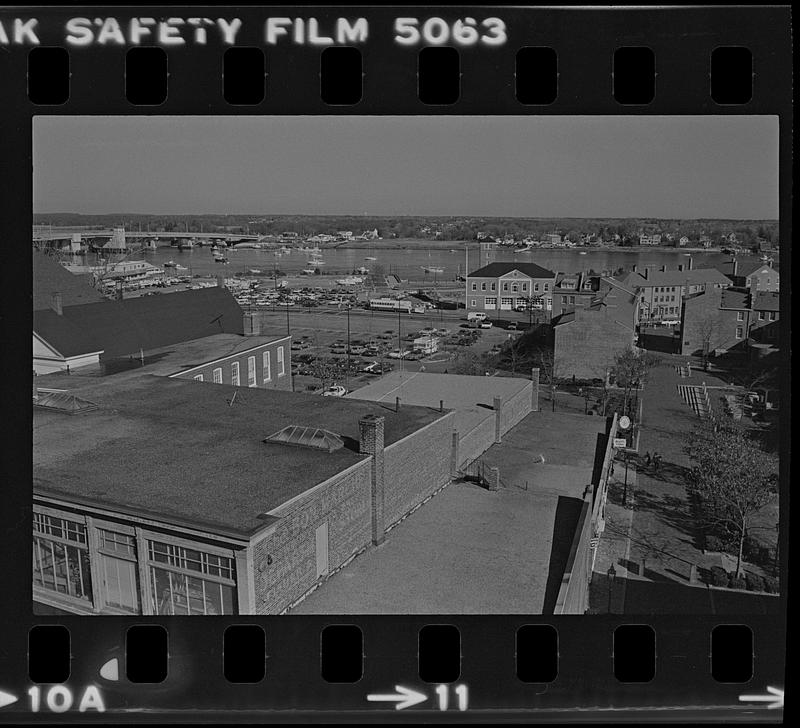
[(582, 38)]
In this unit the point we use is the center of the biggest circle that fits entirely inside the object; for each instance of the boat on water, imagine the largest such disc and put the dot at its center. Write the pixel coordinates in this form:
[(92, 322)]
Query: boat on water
[(432, 269), (255, 271), (186, 245), (170, 264), (369, 257), (220, 259), (583, 252), (309, 271), (181, 267)]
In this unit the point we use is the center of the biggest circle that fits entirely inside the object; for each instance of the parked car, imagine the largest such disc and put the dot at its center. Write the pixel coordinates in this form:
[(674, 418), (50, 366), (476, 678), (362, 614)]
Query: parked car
[(335, 390), (476, 316), (486, 324), (512, 326), (395, 354), (357, 350), (427, 331)]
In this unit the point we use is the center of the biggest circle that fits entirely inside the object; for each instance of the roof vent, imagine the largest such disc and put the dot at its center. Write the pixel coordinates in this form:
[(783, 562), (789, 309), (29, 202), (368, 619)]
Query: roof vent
[(311, 437), (63, 402)]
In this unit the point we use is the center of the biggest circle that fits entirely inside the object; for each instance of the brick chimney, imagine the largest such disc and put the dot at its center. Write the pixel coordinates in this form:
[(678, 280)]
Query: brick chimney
[(370, 431), (252, 324), (56, 303), (497, 403), (634, 267), (663, 269), (690, 263), (535, 389), (735, 262)]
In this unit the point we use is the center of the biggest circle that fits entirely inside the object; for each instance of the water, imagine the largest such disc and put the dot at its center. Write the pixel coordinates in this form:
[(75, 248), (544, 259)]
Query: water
[(408, 263)]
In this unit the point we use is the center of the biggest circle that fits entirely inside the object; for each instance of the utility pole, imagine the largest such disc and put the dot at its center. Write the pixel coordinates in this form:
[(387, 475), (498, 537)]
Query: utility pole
[(288, 327), (347, 371)]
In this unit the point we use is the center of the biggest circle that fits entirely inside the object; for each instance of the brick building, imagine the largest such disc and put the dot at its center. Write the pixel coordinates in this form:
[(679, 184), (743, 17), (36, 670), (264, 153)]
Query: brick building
[(661, 291), (168, 496), (753, 275), (728, 320), (573, 290), (509, 286), (587, 339)]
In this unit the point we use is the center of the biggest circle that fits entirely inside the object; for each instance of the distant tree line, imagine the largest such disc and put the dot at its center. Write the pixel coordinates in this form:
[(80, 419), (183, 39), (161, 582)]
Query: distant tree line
[(626, 230)]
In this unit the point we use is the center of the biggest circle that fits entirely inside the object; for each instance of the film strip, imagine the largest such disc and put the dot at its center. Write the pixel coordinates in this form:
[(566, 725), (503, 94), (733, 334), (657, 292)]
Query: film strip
[(329, 591)]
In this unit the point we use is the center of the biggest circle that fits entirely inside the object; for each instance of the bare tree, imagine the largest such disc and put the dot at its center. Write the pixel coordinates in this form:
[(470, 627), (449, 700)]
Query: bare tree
[(545, 358), (327, 370), (708, 328), (733, 479), (630, 371)]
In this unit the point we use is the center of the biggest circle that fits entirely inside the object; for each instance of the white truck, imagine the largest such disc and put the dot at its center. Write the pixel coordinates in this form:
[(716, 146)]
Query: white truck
[(476, 316)]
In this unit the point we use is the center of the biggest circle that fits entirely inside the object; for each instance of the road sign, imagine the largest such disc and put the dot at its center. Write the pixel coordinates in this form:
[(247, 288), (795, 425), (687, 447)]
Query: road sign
[(620, 442), (624, 422)]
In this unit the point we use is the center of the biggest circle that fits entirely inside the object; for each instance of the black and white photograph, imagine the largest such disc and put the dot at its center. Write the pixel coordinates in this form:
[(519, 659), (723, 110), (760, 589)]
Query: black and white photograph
[(398, 365)]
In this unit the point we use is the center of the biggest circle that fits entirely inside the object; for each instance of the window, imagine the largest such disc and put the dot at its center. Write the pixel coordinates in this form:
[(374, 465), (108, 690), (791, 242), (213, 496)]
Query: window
[(505, 286), (188, 581), (546, 286), (563, 299), (474, 286), (507, 302), (773, 316), (491, 301), (472, 302), (251, 371), (494, 286), (281, 366), (739, 332), (118, 570), (266, 366), (217, 374), (524, 286), (535, 286), (761, 315), (572, 299), (740, 315), (515, 288), (61, 557), (198, 378), (235, 373), (483, 286)]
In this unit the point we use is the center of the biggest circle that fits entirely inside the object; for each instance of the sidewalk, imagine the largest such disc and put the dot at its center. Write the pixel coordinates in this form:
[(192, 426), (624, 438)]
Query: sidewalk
[(660, 528)]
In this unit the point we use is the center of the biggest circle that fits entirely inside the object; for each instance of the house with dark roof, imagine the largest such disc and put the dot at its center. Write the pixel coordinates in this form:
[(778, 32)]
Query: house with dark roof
[(510, 286), (754, 275), (53, 284), (587, 339), (67, 337), (162, 496)]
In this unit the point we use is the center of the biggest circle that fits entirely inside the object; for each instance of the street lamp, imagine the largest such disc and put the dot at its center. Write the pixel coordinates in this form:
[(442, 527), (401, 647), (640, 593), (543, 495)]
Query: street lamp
[(347, 371), (612, 574)]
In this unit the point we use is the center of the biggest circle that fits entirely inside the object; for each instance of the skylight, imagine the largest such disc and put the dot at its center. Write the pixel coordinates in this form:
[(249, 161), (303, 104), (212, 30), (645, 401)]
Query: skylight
[(63, 402), (311, 437)]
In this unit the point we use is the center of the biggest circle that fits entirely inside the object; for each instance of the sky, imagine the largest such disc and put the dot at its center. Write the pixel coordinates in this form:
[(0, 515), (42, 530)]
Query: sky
[(522, 166)]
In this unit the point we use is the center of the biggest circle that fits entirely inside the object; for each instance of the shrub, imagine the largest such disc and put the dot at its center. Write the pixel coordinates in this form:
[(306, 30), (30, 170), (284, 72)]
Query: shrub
[(770, 584), (753, 582), (766, 555), (736, 582), (718, 576), (713, 543)]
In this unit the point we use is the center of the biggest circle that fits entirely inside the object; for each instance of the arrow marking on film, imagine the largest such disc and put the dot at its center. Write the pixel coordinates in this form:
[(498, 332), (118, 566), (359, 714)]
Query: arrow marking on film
[(775, 698), (405, 697), (7, 699)]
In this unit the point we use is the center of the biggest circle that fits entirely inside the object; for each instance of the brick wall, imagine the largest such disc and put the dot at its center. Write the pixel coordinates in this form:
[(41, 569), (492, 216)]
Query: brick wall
[(476, 441), (416, 467), (275, 381), (516, 408), (345, 505), (586, 346), (704, 322)]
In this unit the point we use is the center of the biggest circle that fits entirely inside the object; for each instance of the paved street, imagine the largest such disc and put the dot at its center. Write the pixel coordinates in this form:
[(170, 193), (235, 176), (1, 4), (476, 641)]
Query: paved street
[(660, 528)]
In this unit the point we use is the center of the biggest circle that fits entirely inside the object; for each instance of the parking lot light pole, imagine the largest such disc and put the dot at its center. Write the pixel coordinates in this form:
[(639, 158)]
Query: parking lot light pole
[(347, 371)]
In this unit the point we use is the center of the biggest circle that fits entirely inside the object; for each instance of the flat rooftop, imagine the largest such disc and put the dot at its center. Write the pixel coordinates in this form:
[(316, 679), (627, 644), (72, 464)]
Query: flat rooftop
[(472, 551), (167, 360), (178, 451), (471, 397)]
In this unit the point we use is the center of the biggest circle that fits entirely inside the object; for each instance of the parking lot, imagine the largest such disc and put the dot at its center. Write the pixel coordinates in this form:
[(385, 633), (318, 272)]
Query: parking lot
[(321, 333)]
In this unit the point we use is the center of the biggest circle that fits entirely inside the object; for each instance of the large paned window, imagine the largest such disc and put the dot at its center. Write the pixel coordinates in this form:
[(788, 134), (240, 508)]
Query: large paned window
[(266, 367), (251, 371), (235, 373), (188, 581), (118, 570), (217, 375), (61, 557), (281, 362)]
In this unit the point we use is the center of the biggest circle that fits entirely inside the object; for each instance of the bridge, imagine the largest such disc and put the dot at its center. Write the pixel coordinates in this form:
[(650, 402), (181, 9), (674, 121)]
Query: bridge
[(42, 236)]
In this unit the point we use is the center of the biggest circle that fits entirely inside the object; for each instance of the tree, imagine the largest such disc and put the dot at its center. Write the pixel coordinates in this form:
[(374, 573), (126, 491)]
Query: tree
[(545, 360), (630, 371), (327, 370), (708, 327), (733, 479), (470, 362)]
